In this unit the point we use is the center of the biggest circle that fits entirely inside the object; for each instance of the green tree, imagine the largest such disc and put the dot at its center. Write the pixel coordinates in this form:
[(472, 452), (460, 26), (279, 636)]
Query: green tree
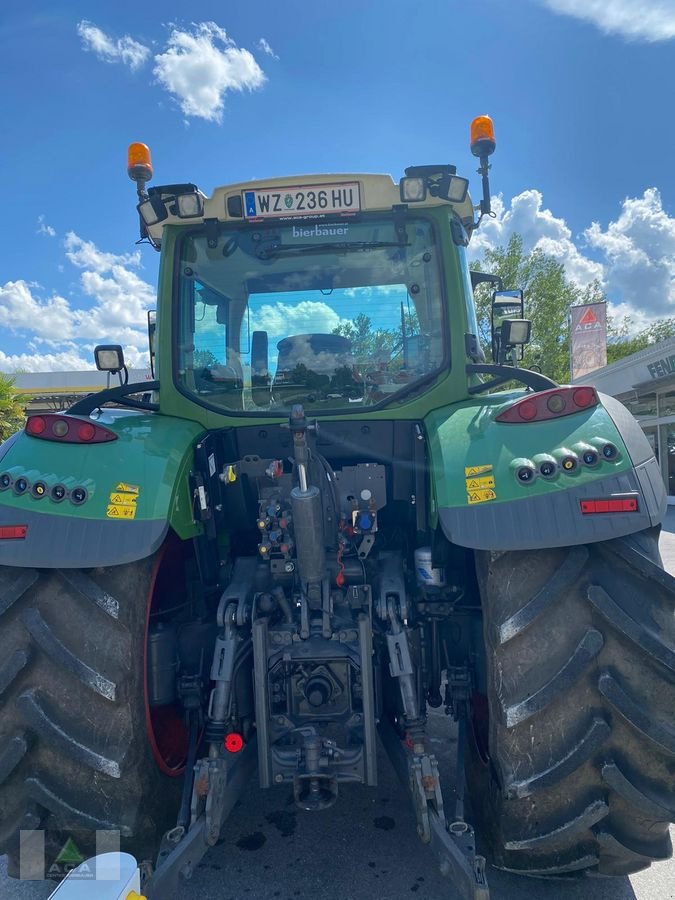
[(11, 412), (370, 344), (622, 340), (366, 342), (202, 359), (548, 297)]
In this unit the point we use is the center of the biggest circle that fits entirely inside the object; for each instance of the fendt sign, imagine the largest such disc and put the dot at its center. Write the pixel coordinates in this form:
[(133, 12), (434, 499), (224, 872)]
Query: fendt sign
[(662, 367)]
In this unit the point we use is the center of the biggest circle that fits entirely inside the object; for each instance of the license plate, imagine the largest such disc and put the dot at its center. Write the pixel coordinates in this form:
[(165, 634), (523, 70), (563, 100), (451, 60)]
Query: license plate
[(305, 200)]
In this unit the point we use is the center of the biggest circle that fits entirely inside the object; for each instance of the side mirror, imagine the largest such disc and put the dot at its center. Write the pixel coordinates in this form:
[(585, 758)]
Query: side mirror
[(109, 358)]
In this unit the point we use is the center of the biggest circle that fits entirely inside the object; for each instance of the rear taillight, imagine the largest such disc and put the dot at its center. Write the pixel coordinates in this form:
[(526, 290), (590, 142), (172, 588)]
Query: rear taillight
[(550, 405), (68, 430)]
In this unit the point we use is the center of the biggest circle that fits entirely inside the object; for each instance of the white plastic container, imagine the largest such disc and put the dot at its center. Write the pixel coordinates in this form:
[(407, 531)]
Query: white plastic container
[(426, 576)]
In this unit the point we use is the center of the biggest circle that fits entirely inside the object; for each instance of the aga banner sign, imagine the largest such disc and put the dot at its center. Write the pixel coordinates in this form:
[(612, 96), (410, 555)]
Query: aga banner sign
[(588, 338)]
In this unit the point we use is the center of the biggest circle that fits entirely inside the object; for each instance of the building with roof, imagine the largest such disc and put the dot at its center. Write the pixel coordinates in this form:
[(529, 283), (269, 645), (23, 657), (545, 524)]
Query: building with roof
[(44, 392), (645, 383)]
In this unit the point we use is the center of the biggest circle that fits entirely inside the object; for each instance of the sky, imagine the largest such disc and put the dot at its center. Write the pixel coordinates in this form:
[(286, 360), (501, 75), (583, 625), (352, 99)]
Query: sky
[(581, 93)]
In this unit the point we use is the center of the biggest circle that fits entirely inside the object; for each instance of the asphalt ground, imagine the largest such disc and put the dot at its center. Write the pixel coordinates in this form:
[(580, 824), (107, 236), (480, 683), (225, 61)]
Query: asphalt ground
[(364, 848)]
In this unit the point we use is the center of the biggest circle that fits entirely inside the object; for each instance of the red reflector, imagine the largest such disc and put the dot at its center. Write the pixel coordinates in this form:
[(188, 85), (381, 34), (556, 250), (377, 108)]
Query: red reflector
[(234, 742), (617, 505), (584, 396), (86, 432), (527, 410), (13, 532), (35, 425)]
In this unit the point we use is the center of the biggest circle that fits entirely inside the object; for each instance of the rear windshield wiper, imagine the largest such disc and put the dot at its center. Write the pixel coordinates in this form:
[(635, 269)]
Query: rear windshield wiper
[(337, 247)]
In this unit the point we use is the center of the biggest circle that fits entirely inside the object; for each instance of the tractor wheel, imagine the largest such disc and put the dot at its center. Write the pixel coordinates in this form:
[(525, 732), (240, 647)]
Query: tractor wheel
[(80, 750), (577, 750)]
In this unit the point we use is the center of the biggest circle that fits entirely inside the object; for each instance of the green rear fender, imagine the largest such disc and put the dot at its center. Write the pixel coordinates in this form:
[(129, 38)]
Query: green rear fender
[(479, 501), (135, 489)]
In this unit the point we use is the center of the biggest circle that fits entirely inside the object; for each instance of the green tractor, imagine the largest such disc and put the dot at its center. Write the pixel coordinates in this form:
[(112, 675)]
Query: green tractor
[(319, 521)]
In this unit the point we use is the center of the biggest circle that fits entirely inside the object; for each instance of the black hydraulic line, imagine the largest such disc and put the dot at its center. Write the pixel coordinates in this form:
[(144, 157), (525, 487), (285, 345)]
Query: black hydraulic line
[(434, 697), (330, 477), (460, 777)]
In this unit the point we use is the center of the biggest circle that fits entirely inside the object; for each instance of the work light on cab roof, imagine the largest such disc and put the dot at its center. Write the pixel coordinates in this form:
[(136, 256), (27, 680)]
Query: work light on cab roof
[(156, 205)]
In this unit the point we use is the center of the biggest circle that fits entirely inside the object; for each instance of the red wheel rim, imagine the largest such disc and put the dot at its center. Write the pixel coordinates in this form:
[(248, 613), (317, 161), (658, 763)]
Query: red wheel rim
[(167, 734)]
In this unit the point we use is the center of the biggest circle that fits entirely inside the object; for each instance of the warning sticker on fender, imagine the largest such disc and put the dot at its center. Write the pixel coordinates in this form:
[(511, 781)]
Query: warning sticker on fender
[(121, 512), (476, 470), (473, 484), (128, 488), (480, 484), (120, 499), (123, 501), (480, 496)]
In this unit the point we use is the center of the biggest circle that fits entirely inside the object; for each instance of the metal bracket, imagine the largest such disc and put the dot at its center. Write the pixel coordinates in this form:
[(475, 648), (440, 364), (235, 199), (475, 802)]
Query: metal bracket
[(425, 786), (208, 796), (182, 850), (453, 844)]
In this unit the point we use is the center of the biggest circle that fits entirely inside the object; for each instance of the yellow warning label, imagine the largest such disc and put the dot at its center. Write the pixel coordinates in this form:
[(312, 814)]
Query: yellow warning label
[(128, 488), (120, 499), (481, 496), (473, 484), (121, 512), (476, 470)]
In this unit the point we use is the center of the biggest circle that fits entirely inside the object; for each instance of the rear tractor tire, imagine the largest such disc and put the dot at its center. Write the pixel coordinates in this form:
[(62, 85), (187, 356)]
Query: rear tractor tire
[(76, 752), (575, 766)]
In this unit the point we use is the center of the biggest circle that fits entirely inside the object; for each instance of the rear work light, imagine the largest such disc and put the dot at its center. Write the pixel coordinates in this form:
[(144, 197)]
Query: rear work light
[(13, 532), (612, 505), (549, 405), (68, 430)]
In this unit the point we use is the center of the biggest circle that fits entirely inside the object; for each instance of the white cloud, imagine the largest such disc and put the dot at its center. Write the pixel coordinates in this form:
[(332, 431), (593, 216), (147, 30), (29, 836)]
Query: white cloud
[(305, 317), (21, 310), (281, 319), (647, 20), (45, 229), (117, 311), (265, 47), (112, 50), (67, 361), (200, 66), (85, 255), (633, 257), (639, 250), (539, 229)]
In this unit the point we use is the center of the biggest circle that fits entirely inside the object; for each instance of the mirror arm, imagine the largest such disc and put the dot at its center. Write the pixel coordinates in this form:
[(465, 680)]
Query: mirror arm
[(504, 374), (120, 395)]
